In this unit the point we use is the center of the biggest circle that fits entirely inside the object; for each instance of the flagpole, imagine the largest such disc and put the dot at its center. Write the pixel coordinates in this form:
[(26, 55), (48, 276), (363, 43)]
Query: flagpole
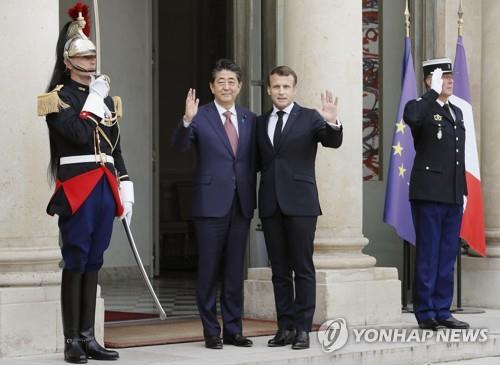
[(406, 283), (406, 245), (397, 209), (460, 20), (459, 277), (407, 19), (459, 308)]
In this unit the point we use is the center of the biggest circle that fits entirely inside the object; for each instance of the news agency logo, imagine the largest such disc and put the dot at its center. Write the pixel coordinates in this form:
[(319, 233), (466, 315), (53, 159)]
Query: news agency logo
[(333, 335)]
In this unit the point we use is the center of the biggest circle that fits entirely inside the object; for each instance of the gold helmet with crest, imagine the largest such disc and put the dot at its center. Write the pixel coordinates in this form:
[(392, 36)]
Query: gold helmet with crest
[(78, 44)]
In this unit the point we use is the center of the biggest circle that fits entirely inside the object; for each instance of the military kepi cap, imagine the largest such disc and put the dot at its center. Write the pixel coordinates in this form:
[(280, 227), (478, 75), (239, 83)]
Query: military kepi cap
[(430, 65)]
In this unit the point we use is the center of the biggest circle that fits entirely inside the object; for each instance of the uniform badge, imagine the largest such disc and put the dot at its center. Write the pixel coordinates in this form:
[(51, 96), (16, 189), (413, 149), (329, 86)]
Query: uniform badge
[(439, 133), (438, 117)]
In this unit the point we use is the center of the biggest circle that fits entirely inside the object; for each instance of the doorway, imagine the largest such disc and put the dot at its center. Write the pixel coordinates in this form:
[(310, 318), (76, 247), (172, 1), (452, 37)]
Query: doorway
[(191, 36), (182, 41)]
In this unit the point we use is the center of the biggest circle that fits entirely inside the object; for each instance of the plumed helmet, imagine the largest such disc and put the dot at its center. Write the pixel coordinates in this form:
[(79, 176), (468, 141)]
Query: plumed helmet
[(78, 44)]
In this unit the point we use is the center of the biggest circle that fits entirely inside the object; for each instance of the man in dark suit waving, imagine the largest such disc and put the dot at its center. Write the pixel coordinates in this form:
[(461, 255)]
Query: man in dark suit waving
[(223, 200), (287, 141)]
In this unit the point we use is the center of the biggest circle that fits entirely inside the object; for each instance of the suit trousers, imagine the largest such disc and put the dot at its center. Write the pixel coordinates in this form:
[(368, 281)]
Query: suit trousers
[(221, 252), (437, 228), (289, 242)]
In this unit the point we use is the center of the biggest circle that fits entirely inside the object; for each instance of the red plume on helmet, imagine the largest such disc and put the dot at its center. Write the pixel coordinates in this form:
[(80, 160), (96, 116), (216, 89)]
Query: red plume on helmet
[(84, 9)]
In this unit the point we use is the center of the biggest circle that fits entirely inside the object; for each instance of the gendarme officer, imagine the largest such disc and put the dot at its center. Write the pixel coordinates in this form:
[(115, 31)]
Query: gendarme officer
[(437, 188)]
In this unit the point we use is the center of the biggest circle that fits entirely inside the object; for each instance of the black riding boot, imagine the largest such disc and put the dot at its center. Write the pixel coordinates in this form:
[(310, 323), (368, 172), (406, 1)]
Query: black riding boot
[(92, 348), (71, 284)]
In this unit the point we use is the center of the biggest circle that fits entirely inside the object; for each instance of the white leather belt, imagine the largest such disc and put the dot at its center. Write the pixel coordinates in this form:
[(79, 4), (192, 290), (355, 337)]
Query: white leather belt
[(87, 158)]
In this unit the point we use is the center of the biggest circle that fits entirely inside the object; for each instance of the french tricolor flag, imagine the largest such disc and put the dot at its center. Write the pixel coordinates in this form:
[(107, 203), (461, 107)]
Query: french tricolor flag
[(472, 230)]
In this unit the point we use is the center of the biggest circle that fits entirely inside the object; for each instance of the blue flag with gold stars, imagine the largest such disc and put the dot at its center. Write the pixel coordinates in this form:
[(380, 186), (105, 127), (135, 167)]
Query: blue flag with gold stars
[(397, 211)]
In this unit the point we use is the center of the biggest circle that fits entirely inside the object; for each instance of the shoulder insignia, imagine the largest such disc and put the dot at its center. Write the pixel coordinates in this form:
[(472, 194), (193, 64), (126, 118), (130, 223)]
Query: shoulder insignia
[(419, 99), (50, 102), (117, 101)]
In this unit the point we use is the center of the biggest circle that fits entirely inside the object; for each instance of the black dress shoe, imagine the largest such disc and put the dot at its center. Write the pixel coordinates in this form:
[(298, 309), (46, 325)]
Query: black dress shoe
[(452, 322), (238, 340), (301, 341), (429, 324), (213, 342), (282, 338)]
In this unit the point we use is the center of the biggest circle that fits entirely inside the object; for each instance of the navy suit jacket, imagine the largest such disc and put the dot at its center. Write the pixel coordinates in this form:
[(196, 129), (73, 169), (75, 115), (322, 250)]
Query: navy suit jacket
[(220, 174), (288, 172)]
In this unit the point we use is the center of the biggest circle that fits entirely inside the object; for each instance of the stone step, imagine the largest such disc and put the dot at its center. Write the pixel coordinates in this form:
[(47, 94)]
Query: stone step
[(482, 361), (430, 352)]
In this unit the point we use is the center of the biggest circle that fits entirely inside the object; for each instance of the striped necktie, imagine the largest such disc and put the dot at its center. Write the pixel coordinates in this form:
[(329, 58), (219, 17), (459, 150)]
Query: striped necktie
[(231, 131)]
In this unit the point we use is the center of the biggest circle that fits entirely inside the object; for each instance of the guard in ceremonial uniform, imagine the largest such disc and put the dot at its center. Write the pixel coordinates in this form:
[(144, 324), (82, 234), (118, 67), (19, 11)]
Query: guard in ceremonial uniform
[(437, 189), (91, 182)]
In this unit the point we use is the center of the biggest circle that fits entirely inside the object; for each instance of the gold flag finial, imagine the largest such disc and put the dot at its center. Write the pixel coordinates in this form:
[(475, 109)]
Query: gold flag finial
[(407, 20), (460, 20)]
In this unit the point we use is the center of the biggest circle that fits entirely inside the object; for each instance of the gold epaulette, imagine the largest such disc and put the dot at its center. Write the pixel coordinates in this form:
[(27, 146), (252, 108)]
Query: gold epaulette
[(50, 102), (117, 101)]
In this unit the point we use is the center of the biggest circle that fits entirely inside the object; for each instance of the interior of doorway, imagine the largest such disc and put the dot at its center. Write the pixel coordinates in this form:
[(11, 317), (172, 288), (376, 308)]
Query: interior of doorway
[(191, 36)]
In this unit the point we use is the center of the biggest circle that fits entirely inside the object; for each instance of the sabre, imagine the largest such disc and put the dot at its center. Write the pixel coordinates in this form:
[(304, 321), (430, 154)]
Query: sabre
[(97, 38), (98, 41), (131, 241), (128, 232)]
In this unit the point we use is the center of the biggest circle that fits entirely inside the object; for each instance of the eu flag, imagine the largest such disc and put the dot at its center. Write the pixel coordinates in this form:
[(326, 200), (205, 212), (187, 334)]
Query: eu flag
[(397, 211)]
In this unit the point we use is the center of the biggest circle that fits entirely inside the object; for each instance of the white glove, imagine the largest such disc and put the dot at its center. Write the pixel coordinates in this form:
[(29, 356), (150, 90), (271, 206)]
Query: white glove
[(127, 198), (437, 81), (98, 90), (99, 85)]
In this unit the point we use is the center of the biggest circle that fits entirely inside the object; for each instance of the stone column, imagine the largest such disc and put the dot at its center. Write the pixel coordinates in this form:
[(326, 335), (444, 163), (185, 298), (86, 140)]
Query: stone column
[(30, 320), (481, 276), (490, 127), (322, 43)]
